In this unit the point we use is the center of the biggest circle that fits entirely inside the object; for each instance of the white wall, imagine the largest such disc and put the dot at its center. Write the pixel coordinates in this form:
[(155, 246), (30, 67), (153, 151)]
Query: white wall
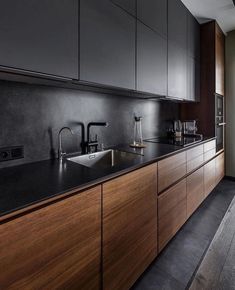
[(230, 104)]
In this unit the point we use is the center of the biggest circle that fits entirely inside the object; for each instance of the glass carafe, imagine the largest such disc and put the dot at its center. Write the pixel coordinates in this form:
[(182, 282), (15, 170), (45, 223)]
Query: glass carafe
[(138, 137)]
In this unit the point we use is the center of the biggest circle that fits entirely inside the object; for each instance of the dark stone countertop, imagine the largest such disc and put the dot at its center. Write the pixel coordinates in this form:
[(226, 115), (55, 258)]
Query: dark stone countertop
[(26, 185)]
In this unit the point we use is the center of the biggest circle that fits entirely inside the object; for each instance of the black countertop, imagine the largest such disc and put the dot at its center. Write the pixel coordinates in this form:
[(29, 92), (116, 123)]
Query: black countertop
[(26, 185)]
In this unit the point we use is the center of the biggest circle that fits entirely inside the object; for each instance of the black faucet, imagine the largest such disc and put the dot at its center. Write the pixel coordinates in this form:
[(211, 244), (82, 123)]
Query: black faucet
[(83, 142), (93, 143)]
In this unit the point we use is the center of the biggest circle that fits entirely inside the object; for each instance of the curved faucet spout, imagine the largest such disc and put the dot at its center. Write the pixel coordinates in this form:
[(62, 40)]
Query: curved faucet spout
[(61, 154)]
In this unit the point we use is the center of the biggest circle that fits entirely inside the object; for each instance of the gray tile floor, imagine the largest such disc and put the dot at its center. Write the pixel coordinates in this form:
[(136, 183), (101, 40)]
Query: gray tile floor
[(175, 266)]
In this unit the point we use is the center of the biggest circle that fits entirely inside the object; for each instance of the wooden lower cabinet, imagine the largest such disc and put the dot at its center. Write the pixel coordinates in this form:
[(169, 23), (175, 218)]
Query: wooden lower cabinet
[(129, 227), (195, 191), (171, 212), (55, 247), (171, 169), (209, 177), (219, 168)]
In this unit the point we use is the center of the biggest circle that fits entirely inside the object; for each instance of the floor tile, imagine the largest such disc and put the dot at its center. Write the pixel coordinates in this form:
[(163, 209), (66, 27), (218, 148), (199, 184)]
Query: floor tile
[(176, 265)]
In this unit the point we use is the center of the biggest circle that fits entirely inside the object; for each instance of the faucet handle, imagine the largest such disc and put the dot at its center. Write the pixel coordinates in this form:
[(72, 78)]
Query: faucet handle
[(94, 140), (102, 146)]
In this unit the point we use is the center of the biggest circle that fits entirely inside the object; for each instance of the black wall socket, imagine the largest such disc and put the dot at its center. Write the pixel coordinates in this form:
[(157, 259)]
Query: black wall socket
[(11, 153)]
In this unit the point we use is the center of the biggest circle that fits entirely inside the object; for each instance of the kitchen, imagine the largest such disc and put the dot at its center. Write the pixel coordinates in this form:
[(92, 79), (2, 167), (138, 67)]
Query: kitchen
[(116, 150)]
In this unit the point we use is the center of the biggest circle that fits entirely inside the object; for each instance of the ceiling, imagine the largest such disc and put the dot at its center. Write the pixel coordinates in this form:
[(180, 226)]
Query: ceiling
[(221, 10)]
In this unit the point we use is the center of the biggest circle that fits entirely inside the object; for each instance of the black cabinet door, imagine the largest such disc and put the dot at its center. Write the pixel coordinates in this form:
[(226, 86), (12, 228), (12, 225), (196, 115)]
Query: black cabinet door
[(193, 80), (177, 72), (193, 37), (153, 13), (177, 50), (177, 23), (40, 36), (151, 61), (128, 5), (107, 44)]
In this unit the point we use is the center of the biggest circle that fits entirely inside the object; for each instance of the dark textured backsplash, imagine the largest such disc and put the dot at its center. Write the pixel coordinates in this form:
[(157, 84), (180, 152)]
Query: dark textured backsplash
[(32, 115)]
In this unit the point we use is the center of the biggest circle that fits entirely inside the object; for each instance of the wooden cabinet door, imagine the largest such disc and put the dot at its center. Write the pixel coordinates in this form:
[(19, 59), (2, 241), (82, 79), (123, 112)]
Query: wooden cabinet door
[(195, 158), (195, 191), (107, 44), (209, 145), (40, 36), (129, 227), (209, 177), (219, 168), (151, 61), (153, 14), (209, 150), (171, 212), (55, 247), (170, 170), (219, 61)]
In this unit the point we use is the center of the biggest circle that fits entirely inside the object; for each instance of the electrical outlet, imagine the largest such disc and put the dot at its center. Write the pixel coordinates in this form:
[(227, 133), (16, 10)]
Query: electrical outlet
[(11, 153)]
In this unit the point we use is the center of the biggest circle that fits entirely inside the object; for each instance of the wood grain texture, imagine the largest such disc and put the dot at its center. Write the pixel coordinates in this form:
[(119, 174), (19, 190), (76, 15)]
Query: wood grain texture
[(195, 191), (195, 163), (171, 212), (217, 268), (129, 227), (171, 169), (219, 61), (55, 247), (209, 177), (195, 152), (209, 154), (219, 168), (209, 145)]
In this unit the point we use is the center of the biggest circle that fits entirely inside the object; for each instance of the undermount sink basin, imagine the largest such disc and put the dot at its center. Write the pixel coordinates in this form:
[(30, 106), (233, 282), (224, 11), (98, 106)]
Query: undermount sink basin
[(104, 159)]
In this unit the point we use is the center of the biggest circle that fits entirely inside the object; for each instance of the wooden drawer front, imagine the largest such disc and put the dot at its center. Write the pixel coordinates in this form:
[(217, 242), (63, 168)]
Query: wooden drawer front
[(195, 191), (171, 212), (209, 145), (209, 177), (209, 154), (55, 247), (195, 163), (170, 170), (129, 227), (194, 152), (219, 167)]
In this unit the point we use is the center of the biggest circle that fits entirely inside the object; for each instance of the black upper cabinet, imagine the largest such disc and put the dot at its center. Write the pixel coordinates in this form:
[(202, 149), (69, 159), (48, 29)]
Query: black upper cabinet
[(193, 80), (177, 72), (193, 69), (193, 37), (40, 36), (153, 13), (177, 23), (107, 44), (177, 50), (128, 5), (151, 61)]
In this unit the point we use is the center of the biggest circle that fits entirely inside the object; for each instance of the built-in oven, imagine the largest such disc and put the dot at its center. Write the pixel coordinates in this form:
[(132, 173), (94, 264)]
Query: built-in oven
[(219, 122)]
